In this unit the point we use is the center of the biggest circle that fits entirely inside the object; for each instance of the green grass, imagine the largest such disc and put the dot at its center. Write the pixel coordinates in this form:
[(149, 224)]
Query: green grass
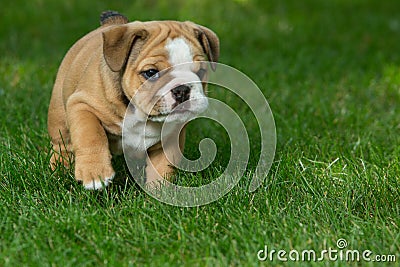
[(331, 73)]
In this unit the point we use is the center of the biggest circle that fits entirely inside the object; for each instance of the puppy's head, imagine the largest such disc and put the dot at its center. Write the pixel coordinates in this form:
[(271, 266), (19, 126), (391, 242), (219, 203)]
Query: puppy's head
[(162, 65)]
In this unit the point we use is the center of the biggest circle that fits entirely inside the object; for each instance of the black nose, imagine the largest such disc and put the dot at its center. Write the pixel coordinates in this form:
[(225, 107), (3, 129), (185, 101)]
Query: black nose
[(181, 93)]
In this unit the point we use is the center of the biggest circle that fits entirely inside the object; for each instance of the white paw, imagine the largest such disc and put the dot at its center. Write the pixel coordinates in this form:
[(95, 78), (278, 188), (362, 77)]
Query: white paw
[(97, 185)]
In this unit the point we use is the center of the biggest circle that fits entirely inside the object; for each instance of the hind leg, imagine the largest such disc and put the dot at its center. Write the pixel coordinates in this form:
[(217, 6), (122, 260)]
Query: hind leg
[(61, 155), (58, 131)]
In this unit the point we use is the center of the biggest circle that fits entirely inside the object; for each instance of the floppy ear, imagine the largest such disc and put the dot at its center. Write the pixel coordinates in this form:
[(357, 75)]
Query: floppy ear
[(210, 44), (118, 41)]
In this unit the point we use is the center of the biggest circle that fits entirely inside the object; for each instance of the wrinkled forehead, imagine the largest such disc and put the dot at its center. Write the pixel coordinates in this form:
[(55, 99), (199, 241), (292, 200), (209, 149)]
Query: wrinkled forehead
[(170, 44), (180, 54)]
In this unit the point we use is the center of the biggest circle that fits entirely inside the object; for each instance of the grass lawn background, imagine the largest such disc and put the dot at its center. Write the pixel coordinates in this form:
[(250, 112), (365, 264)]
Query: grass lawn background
[(331, 73)]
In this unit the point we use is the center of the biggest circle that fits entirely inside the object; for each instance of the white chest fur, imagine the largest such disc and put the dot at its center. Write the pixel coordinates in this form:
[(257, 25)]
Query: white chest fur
[(139, 134)]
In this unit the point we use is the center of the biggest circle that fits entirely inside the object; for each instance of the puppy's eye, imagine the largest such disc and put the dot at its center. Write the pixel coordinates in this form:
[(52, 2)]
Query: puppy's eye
[(151, 74), (201, 73)]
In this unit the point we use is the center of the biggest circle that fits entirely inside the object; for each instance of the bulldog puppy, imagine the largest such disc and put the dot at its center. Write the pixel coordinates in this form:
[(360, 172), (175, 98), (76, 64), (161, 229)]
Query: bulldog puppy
[(100, 75)]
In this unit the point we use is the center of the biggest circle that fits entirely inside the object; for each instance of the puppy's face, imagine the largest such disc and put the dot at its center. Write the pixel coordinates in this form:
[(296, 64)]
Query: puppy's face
[(164, 72), (170, 81)]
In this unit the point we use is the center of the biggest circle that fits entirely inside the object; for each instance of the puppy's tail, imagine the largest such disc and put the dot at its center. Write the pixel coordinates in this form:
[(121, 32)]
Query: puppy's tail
[(111, 18)]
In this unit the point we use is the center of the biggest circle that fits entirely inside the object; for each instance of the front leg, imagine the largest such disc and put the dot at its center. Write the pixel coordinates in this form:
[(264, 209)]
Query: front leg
[(90, 147), (159, 166)]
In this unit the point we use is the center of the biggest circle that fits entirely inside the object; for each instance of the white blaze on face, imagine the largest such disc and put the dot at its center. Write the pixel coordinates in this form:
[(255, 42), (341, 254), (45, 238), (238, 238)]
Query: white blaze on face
[(179, 53)]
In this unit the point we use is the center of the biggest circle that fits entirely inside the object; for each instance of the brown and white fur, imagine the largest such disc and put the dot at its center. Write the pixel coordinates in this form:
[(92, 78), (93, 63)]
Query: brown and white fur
[(104, 70)]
